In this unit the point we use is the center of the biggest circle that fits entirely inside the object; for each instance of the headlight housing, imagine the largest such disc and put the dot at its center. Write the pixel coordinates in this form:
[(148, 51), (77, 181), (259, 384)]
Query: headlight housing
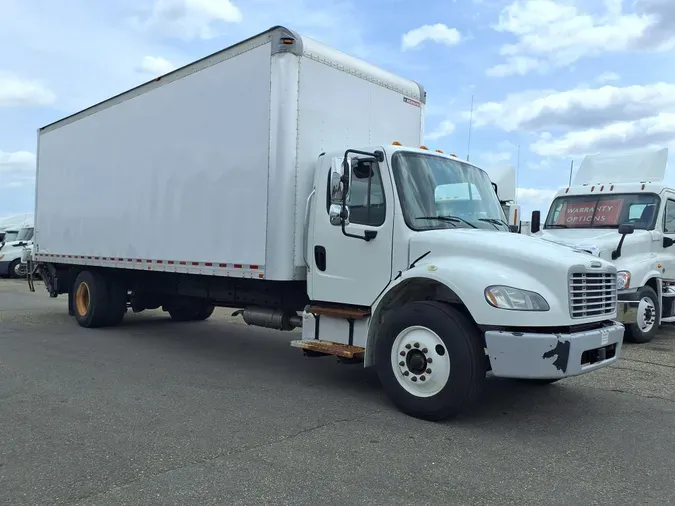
[(622, 280), (515, 299)]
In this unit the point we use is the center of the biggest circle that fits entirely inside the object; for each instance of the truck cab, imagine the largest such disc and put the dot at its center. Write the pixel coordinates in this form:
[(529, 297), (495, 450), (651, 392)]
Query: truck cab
[(414, 280), (618, 209), (11, 251)]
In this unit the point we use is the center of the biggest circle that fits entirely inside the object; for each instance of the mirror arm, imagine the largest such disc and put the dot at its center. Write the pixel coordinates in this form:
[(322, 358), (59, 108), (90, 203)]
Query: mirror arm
[(617, 252)]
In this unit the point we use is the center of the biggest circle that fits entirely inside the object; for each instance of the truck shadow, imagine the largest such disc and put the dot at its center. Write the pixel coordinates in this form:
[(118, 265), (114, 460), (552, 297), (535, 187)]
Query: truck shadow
[(228, 348)]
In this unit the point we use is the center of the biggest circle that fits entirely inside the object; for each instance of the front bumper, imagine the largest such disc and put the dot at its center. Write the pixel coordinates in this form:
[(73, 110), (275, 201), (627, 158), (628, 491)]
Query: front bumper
[(4, 268), (544, 356)]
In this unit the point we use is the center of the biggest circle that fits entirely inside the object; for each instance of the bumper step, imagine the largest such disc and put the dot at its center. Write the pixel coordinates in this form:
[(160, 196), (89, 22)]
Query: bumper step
[(329, 348)]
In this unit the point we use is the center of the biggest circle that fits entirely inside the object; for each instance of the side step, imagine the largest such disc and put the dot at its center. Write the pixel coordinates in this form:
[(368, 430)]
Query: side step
[(329, 348), (668, 319)]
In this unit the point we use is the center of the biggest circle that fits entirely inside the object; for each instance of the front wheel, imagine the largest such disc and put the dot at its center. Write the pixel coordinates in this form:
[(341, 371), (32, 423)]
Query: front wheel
[(648, 317), (15, 269), (430, 360)]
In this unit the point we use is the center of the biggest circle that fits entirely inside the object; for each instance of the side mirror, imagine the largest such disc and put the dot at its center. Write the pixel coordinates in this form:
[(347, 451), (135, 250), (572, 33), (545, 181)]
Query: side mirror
[(338, 180), (668, 242), (2, 236), (535, 222), (626, 228), (338, 214)]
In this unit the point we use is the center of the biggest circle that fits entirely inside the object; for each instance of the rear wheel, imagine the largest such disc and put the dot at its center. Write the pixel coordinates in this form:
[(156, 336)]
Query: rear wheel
[(117, 302), (90, 300), (430, 360)]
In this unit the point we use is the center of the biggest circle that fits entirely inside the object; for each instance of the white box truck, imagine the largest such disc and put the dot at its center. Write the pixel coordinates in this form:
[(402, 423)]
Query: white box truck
[(618, 208), (289, 161)]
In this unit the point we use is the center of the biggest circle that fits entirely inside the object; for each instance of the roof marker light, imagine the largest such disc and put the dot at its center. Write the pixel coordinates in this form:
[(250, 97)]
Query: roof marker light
[(424, 147), (396, 143), (439, 151)]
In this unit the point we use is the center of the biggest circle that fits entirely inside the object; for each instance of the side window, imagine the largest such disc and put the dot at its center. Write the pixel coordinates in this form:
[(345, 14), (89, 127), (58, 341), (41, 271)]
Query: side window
[(669, 218), (366, 197)]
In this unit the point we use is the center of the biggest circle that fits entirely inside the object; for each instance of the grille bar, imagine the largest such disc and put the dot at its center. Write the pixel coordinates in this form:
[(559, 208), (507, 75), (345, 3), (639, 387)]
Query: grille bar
[(592, 294)]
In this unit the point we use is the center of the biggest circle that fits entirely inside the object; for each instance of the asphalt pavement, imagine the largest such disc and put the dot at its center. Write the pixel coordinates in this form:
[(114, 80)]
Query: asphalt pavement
[(215, 412)]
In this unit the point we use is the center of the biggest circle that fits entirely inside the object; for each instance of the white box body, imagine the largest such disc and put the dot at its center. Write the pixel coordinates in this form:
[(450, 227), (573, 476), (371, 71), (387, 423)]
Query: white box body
[(207, 170)]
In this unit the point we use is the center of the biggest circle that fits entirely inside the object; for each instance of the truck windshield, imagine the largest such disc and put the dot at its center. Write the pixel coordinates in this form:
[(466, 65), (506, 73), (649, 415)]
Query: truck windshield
[(438, 192), (604, 211), (25, 234), (10, 235)]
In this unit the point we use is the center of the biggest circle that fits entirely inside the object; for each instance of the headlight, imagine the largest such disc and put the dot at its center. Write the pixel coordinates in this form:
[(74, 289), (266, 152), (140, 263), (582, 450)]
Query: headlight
[(622, 280), (507, 297)]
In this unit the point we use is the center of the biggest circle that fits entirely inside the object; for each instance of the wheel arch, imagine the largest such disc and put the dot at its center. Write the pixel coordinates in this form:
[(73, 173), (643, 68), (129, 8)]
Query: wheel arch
[(409, 290)]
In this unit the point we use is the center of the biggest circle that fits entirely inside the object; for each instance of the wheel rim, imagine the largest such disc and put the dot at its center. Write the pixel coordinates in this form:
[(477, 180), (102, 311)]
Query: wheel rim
[(420, 361), (17, 269), (82, 299), (646, 317)]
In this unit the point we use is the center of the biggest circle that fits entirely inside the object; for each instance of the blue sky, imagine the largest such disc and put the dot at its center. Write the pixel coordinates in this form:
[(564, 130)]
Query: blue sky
[(559, 78)]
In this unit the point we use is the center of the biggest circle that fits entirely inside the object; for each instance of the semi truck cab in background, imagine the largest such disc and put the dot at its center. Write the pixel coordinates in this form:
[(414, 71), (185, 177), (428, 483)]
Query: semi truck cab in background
[(384, 252), (620, 210)]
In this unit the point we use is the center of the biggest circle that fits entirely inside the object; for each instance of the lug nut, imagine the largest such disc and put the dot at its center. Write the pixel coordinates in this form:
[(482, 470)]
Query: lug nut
[(424, 350), (414, 378), (401, 363), (405, 373), (430, 360), (402, 353), (407, 346), (422, 378), (417, 345), (428, 371)]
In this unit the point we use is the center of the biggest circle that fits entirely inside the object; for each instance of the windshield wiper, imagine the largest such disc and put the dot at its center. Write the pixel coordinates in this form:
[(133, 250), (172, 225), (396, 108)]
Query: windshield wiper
[(449, 219), (494, 221), (556, 225)]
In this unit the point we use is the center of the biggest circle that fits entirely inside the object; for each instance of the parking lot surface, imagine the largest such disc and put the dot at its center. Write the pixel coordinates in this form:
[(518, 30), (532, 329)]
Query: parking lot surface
[(158, 412)]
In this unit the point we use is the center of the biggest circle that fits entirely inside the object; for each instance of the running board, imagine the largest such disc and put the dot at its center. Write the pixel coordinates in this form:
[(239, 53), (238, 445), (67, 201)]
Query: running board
[(668, 319), (329, 348)]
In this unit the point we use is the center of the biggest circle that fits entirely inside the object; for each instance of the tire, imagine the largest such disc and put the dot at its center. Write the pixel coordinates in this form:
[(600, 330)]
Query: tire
[(196, 310), (452, 342), (648, 311), (90, 300), (11, 272), (117, 302)]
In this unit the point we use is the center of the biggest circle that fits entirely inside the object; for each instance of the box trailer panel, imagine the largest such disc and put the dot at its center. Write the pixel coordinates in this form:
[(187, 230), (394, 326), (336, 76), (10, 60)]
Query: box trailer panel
[(178, 174)]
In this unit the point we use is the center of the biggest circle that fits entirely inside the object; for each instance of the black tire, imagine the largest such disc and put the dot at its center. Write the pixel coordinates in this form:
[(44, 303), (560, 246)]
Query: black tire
[(117, 302), (90, 300), (194, 310), (634, 333), (465, 350), (12, 269)]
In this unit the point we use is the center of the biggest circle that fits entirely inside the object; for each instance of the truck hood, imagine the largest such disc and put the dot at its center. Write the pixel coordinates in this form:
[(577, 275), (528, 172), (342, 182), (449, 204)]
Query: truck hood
[(600, 242), (515, 250)]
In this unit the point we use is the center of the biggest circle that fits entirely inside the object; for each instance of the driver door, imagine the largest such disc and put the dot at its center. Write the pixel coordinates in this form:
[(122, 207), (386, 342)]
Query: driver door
[(345, 268)]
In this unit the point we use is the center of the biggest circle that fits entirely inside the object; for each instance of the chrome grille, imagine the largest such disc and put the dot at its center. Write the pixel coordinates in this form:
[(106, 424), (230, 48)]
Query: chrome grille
[(592, 294)]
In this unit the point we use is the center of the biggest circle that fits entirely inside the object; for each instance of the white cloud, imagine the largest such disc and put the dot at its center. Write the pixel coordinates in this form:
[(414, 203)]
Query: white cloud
[(444, 129), (656, 131), (552, 33), (607, 77), (439, 33), (576, 108), (155, 65), (18, 92), (531, 199), (17, 169), (191, 19)]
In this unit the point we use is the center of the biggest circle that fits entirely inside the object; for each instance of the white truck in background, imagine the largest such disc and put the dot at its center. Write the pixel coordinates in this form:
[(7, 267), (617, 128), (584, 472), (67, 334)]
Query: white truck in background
[(12, 249), (315, 208), (504, 182), (619, 209)]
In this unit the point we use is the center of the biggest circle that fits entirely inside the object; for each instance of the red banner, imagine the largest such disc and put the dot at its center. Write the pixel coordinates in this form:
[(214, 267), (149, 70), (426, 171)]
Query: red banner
[(580, 214)]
